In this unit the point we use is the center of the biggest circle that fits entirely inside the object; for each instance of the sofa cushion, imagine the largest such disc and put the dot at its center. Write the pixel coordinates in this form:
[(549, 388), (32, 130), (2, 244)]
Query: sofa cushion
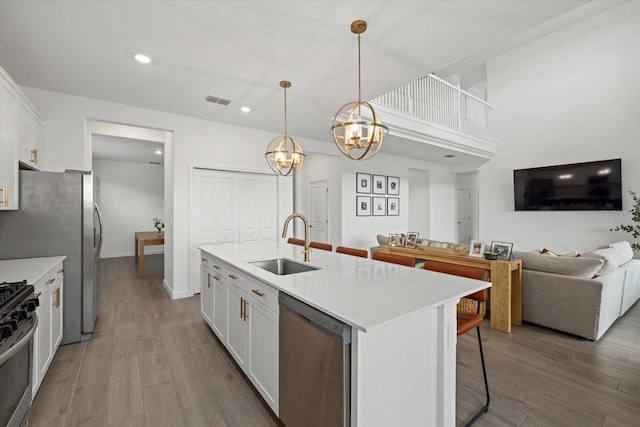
[(568, 266), (383, 240), (613, 256)]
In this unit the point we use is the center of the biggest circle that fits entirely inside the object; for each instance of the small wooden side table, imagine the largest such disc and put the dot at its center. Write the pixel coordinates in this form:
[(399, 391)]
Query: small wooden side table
[(146, 238)]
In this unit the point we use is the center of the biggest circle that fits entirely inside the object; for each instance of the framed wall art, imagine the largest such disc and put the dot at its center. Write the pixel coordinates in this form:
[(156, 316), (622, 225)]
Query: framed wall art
[(393, 185), (379, 206), (363, 206), (502, 249), (393, 206), (476, 249), (379, 184), (363, 183)]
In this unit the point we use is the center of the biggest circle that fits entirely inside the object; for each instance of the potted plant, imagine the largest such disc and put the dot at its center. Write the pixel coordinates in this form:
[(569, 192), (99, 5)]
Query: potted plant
[(158, 224), (633, 229)]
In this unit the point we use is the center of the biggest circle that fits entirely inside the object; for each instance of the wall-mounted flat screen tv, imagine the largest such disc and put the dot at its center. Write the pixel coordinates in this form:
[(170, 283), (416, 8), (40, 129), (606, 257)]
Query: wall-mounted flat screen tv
[(591, 186)]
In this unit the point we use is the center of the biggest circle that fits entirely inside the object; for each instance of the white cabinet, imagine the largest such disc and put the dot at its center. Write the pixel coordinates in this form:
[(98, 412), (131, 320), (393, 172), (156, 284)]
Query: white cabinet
[(237, 333), (263, 351), (29, 125), (20, 125), (220, 309), (245, 318), (206, 294), (48, 334), (9, 107)]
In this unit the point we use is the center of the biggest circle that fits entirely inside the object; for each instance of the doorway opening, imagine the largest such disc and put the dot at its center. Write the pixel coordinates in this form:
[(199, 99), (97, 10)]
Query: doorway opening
[(131, 165)]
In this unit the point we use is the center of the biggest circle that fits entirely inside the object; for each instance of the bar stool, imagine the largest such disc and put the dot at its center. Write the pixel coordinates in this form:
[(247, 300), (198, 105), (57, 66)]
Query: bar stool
[(352, 251), (469, 320), (395, 259), (323, 246), (295, 241)]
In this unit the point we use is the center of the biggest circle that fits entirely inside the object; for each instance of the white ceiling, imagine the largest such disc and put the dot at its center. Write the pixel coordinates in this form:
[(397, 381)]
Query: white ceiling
[(240, 50)]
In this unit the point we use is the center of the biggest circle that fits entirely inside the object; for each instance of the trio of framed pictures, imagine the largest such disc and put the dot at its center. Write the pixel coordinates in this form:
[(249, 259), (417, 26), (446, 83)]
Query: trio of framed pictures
[(376, 205), (501, 249)]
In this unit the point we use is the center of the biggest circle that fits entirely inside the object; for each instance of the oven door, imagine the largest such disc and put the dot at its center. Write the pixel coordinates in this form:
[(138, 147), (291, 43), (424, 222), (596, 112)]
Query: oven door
[(15, 374)]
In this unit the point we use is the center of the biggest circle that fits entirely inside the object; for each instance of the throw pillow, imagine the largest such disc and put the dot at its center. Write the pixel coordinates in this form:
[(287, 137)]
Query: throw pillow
[(609, 261), (383, 240), (568, 266), (623, 251)]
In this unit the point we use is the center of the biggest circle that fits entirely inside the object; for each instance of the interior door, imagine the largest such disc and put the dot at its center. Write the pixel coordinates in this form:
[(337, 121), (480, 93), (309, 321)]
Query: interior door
[(463, 214), (319, 211), (203, 218)]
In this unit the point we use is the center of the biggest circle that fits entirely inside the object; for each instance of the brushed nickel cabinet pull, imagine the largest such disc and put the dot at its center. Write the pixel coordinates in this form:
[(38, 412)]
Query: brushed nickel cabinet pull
[(258, 292), (37, 295), (233, 276), (217, 267), (244, 318), (217, 277), (34, 156), (241, 307), (203, 259), (208, 280), (50, 281), (61, 271)]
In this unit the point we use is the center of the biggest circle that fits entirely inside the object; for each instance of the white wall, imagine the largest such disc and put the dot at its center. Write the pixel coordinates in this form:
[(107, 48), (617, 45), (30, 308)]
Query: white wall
[(350, 230), (131, 195), (573, 96), (207, 143)]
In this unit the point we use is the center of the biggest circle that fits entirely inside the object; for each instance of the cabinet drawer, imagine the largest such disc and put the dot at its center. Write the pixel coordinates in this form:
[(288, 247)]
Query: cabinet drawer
[(264, 293), (48, 279)]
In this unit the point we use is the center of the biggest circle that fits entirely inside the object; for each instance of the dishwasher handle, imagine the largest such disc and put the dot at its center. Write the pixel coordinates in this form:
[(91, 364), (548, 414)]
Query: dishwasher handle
[(330, 326)]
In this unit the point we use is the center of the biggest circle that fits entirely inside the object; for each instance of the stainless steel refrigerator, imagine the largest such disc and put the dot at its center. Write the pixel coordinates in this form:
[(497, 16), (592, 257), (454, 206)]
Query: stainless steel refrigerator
[(58, 215)]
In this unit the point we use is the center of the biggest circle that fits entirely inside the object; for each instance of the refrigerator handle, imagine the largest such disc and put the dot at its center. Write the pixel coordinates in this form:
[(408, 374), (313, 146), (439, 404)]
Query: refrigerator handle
[(99, 215)]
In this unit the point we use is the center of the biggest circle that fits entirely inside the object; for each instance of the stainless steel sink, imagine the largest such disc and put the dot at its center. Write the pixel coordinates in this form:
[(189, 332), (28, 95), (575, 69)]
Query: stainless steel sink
[(283, 266)]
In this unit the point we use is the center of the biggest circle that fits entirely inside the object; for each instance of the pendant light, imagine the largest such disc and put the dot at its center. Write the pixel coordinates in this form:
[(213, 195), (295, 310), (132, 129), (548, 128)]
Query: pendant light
[(284, 155), (359, 137)]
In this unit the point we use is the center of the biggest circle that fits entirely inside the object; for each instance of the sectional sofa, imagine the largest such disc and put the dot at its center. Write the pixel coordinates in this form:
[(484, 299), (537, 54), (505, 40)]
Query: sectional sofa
[(582, 295)]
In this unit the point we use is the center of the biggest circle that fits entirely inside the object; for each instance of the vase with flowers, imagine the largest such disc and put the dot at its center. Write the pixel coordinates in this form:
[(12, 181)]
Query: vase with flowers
[(158, 224)]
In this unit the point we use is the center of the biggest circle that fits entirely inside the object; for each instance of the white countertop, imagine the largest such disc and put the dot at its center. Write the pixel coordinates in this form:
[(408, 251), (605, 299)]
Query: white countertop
[(363, 293), (31, 269)]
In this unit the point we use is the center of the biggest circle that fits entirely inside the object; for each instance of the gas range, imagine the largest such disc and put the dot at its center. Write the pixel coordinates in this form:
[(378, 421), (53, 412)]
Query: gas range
[(16, 305)]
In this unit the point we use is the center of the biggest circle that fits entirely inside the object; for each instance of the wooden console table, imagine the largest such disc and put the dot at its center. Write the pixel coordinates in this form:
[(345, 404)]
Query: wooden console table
[(146, 238), (506, 281)]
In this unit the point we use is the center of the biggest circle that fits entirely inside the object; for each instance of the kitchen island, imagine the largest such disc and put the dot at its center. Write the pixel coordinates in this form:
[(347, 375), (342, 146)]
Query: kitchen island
[(403, 355)]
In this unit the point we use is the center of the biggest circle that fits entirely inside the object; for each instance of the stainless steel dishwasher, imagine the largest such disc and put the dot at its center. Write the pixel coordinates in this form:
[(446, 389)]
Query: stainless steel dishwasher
[(315, 367)]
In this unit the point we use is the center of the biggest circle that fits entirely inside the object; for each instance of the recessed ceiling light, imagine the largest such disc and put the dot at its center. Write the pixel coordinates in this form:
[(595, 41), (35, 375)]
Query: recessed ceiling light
[(141, 58), (158, 152), (245, 109)]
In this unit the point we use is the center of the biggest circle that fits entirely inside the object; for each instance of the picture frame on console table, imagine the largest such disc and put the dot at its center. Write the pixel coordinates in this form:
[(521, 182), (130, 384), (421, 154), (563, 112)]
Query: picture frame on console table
[(412, 239), (363, 183), (363, 206), (396, 240), (502, 249), (476, 249)]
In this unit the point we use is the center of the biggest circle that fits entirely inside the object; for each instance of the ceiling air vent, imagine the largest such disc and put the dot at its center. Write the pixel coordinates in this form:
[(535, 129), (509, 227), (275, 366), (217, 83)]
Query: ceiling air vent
[(217, 100)]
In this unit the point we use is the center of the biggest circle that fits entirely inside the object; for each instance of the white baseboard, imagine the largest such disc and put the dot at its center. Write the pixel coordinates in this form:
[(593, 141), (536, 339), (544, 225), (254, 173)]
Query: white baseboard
[(175, 295)]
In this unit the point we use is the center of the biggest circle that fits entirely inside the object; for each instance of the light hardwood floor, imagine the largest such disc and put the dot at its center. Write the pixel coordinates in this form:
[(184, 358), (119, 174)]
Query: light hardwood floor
[(154, 362)]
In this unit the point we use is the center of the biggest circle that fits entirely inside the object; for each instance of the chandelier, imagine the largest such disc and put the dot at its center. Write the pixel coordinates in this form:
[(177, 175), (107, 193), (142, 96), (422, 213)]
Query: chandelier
[(284, 155), (360, 135)]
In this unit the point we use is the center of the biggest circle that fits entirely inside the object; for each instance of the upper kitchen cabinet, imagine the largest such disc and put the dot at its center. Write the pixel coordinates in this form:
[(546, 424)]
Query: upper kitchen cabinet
[(20, 126)]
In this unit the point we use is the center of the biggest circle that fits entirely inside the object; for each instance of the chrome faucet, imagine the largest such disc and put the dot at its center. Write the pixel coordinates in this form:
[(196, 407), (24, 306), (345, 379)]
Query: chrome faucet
[(306, 232)]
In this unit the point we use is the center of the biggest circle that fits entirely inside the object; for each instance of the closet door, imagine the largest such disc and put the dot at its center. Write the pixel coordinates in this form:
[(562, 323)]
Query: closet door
[(228, 208), (258, 208)]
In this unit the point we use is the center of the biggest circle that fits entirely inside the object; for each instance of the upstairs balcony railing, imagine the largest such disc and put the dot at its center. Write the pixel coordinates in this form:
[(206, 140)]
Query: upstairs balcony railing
[(438, 101)]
